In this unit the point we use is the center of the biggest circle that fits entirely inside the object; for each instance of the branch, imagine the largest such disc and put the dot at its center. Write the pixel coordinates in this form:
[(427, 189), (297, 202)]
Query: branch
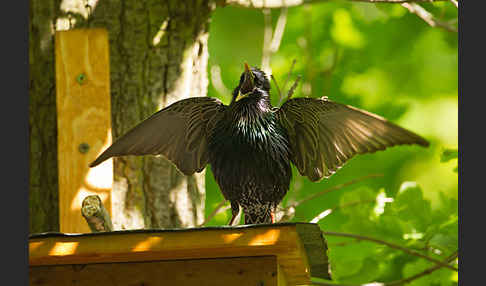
[(427, 16), (272, 39), (260, 4), (279, 30), (293, 87), (423, 273), (217, 81), (327, 73), (329, 211), (276, 86), (318, 281), (219, 208), (288, 212), (391, 245), (337, 187), (267, 40), (95, 214), (286, 81)]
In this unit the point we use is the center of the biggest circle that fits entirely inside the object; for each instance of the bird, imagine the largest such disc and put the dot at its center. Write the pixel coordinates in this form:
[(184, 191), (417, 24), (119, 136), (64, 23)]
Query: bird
[(251, 145)]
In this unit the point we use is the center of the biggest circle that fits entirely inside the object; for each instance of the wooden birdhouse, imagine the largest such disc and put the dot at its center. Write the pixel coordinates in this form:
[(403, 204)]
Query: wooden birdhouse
[(278, 254)]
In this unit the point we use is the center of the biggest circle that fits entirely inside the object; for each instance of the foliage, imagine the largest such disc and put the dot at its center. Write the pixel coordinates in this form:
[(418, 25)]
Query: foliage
[(388, 61)]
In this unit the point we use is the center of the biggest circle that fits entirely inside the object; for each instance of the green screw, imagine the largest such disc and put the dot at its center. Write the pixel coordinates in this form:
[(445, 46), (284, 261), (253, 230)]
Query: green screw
[(81, 78), (83, 148)]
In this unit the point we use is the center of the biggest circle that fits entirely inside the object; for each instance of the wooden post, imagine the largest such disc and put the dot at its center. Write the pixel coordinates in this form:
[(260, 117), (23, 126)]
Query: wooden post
[(83, 121)]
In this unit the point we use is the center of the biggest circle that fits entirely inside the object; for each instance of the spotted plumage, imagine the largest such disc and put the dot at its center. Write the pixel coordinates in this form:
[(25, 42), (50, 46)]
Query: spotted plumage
[(250, 144)]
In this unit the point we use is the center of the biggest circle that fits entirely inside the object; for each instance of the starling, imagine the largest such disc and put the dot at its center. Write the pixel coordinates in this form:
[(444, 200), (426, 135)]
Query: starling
[(250, 144)]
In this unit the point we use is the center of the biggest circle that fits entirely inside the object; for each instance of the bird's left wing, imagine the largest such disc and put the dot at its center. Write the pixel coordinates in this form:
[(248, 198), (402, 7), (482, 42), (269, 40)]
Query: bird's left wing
[(323, 134), (179, 132)]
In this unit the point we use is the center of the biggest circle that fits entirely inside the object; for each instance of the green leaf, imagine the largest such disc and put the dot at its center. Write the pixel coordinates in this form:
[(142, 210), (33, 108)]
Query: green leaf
[(348, 260), (358, 207), (369, 271), (438, 277), (411, 206), (448, 154)]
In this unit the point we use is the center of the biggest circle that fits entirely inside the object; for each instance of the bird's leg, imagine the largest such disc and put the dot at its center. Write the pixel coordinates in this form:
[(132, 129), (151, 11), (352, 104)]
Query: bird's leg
[(235, 214), (273, 211)]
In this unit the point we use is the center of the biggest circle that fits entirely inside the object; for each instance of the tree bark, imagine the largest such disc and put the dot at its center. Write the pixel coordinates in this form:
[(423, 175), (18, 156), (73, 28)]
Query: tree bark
[(158, 55), (43, 192)]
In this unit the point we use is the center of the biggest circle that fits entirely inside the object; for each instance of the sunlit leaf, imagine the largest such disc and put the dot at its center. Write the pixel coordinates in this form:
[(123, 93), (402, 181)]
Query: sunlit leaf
[(448, 154)]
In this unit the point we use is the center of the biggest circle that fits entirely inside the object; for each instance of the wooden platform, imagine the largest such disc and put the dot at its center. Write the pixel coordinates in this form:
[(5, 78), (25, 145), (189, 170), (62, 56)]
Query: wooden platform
[(277, 254)]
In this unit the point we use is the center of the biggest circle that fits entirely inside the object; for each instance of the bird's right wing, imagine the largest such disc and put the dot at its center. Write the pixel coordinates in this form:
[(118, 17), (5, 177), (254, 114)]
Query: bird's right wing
[(179, 132), (324, 135)]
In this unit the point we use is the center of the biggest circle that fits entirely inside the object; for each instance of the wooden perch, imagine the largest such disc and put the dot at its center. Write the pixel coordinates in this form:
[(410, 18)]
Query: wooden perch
[(95, 214)]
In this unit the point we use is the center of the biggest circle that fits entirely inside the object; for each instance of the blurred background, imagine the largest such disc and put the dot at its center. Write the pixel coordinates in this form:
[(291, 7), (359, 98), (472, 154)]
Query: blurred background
[(380, 58)]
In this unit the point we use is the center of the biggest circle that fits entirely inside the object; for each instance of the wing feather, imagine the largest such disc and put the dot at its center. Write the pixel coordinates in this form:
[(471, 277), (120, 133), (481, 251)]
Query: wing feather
[(178, 132), (324, 135)]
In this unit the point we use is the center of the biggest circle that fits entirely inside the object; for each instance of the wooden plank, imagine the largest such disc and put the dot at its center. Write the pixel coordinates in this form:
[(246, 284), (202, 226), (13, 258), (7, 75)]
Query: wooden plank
[(83, 120), (244, 271), (282, 277), (281, 240)]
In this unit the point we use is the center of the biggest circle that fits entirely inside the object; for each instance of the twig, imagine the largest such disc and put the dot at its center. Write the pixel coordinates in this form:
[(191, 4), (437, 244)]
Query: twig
[(277, 87), (327, 73), (95, 214), (290, 209), (427, 16), (292, 88), (279, 30), (217, 81), (288, 75), (272, 39), (455, 3), (318, 281), (259, 4), (337, 187), (423, 273), (343, 243), (329, 211), (267, 40), (391, 245), (219, 208)]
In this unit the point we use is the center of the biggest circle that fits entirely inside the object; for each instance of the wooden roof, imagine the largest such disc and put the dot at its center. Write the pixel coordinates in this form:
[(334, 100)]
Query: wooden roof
[(300, 248)]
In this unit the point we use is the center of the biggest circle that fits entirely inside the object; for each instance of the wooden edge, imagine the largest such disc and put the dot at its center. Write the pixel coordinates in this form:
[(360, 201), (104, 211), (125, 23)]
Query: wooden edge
[(315, 246), (281, 278), (299, 247)]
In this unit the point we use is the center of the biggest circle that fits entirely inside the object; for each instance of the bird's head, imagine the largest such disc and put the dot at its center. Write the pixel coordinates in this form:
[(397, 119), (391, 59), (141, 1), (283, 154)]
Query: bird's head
[(253, 82)]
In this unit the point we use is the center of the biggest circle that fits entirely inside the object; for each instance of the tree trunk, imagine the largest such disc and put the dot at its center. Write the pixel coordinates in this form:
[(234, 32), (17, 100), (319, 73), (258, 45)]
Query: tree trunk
[(158, 55)]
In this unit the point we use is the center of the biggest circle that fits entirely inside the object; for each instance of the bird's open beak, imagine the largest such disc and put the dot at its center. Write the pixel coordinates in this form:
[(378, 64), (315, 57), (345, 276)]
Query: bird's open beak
[(248, 83)]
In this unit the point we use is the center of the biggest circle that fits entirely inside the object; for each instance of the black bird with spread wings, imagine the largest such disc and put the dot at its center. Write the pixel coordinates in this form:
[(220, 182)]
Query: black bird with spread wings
[(250, 144)]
